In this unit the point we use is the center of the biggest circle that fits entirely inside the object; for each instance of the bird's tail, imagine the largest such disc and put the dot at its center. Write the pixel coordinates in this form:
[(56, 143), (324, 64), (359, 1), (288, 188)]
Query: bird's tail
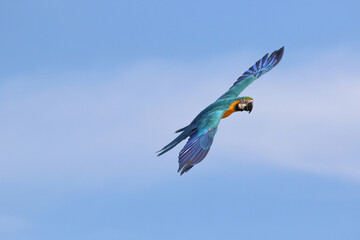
[(186, 131), (181, 129)]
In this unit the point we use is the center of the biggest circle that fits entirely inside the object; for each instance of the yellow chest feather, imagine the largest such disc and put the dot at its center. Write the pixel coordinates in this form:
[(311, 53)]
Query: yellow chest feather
[(231, 109)]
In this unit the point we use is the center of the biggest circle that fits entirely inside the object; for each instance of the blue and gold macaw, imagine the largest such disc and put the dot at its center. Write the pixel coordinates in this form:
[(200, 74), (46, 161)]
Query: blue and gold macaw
[(203, 128)]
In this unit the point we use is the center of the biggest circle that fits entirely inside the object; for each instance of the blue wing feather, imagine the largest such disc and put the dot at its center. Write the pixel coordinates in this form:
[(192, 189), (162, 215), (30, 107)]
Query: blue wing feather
[(196, 149), (264, 65)]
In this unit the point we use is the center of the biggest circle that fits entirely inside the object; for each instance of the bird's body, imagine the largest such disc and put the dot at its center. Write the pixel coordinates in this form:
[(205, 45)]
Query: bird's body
[(203, 128)]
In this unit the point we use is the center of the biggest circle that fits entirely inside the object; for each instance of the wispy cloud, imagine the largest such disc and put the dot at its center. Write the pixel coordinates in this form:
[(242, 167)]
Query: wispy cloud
[(109, 124)]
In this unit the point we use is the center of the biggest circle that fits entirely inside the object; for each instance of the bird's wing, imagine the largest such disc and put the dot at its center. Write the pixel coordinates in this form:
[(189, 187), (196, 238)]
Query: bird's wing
[(195, 150), (262, 66), (199, 143)]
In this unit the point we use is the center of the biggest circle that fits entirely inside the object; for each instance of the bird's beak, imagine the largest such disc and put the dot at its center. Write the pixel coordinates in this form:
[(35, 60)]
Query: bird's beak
[(249, 107)]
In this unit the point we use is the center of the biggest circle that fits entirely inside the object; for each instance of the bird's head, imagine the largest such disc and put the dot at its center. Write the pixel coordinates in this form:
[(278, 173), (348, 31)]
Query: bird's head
[(245, 104)]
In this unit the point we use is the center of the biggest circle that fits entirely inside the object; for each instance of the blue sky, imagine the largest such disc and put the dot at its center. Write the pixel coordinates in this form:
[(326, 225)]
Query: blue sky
[(91, 89)]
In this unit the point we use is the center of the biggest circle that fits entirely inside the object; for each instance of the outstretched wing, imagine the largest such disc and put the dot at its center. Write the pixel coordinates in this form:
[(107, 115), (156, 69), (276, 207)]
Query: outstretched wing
[(199, 143), (195, 149), (261, 67)]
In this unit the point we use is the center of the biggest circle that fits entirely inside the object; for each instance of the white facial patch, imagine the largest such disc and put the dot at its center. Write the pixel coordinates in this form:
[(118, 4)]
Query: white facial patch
[(242, 106)]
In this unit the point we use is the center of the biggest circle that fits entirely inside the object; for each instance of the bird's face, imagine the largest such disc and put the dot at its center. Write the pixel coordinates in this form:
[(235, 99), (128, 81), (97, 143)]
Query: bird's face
[(245, 104)]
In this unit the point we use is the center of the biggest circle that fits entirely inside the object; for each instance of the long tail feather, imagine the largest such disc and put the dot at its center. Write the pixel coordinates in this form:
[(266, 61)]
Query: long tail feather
[(186, 132), (181, 129)]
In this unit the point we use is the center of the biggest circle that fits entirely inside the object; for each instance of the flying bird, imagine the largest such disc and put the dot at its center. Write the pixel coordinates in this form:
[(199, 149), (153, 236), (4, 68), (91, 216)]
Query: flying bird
[(201, 131)]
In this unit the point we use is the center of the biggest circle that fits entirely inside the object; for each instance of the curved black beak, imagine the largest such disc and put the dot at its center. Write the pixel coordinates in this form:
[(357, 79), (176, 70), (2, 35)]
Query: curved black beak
[(249, 107)]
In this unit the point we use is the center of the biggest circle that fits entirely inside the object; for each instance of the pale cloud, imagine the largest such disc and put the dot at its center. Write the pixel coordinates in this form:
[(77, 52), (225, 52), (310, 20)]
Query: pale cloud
[(101, 125)]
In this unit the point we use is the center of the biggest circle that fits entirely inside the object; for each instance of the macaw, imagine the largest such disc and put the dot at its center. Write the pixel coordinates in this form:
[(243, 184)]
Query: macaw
[(201, 131)]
